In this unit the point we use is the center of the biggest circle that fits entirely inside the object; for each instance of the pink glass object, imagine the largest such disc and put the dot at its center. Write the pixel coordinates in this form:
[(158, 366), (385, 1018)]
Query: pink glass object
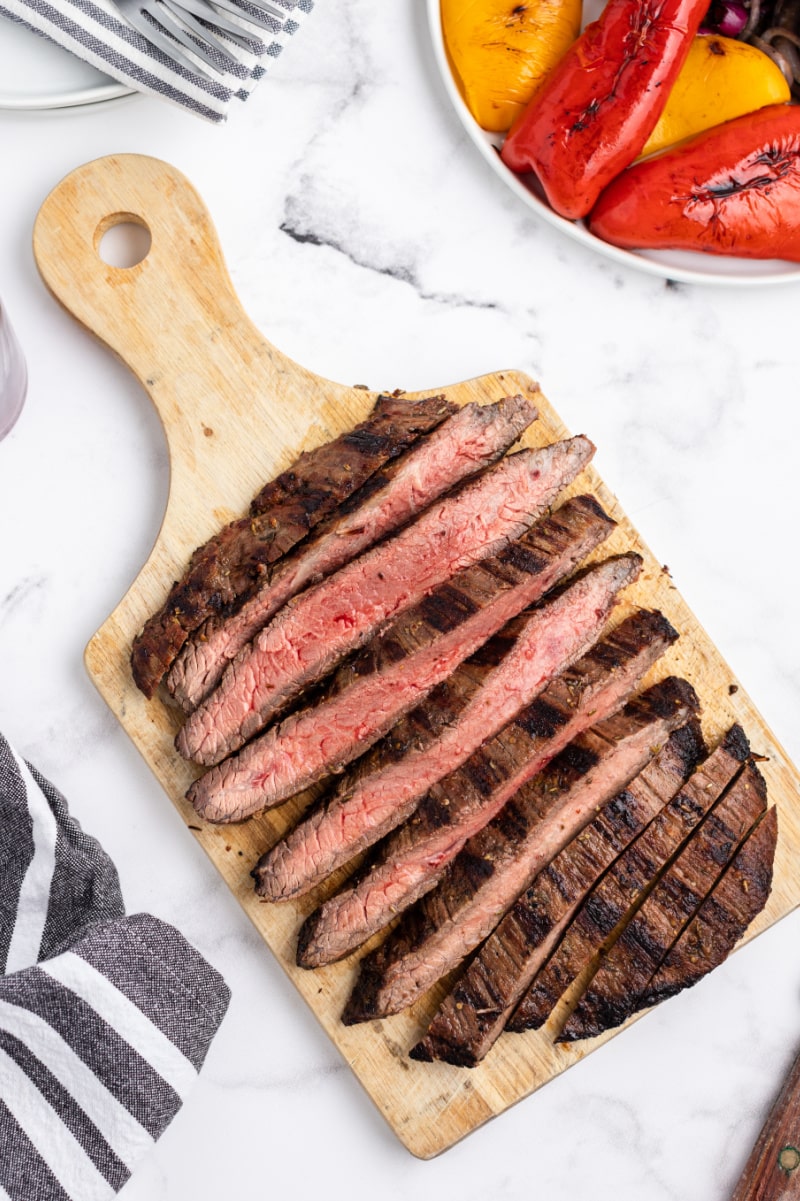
[(13, 376)]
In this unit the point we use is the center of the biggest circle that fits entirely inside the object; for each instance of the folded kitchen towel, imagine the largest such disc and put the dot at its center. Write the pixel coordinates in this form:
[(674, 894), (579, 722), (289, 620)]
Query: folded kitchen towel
[(105, 1019), (96, 31)]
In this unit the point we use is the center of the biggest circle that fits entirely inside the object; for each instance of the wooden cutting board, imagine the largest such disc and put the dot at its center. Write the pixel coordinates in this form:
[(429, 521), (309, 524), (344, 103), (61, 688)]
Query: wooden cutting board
[(235, 412)]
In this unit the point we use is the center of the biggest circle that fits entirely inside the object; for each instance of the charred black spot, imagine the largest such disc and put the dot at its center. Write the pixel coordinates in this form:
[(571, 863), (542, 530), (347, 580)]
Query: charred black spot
[(619, 809), (523, 559), (736, 744), (688, 742), (436, 810), (491, 653), (447, 608), (640, 934), (534, 923), (601, 913), (475, 868), (511, 823), (367, 442), (591, 506), (576, 759), (481, 773), (667, 696), (541, 719), (716, 47)]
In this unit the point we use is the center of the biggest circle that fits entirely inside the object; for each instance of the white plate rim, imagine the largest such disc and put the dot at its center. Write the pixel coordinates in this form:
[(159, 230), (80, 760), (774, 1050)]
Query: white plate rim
[(82, 94), (577, 230), (101, 93)]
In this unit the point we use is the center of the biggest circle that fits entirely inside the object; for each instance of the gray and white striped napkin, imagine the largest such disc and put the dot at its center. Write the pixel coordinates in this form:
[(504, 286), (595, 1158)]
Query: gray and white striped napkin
[(95, 31), (105, 1019)]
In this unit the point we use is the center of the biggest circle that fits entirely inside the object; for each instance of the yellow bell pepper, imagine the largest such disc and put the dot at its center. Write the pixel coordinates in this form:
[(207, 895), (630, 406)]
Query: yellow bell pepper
[(721, 79), (501, 52)]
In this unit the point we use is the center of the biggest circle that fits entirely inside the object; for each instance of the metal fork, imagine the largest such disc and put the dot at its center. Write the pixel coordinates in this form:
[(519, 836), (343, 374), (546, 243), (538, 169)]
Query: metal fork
[(194, 24)]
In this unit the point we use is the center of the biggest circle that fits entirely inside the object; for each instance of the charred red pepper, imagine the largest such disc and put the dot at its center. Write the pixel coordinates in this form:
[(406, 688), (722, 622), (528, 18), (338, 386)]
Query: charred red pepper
[(600, 105), (734, 189)]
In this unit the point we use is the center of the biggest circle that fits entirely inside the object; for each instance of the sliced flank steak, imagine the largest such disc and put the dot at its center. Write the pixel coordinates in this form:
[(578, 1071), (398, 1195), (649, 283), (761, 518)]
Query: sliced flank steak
[(411, 861), (420, 650), (311, 635), (628, 880), (382, 787), (723, 917), (616, 989), (499, 863), (472, 439), (473, 1015), (232, 563)]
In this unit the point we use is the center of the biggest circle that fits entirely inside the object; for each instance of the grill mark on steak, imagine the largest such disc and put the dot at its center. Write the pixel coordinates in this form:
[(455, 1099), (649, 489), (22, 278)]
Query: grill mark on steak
[(614, 992), (465, 443), (398, 669), (553, 638), (498, 863), (311, 635), (472, 1016), (230, 564), (585, 693), (381, 788), (311, 744), (627, 881), (723, 917)]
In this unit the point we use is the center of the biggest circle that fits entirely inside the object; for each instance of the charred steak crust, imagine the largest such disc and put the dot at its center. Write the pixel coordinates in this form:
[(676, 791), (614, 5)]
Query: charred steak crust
[(464, 444), (493, 590), (725, 914), (614, 993), (498, 863), (227, 567), (552, 638), (474, 1013), (596, 686), (307, 639), (628, 881)]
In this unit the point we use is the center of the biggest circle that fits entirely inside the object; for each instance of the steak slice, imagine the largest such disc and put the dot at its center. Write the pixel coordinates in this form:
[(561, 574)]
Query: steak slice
[(615, 990), (499, 862), (381, 789), (470, 440), (473, 1015), (309, 637), (628, 880), (231, 563), (722, 918), (419, 651), (413, 859)]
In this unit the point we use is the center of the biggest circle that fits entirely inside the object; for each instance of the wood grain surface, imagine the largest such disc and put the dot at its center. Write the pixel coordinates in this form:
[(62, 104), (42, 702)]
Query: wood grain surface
[(235, 412), (772, 1172)]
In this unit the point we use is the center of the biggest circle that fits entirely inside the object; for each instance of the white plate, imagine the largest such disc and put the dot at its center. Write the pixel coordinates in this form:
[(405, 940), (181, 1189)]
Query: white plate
[(670, 264), (37, 74)]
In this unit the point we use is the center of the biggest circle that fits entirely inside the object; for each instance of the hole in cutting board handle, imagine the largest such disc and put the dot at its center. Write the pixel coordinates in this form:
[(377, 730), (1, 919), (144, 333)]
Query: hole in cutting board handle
[(123, 240)]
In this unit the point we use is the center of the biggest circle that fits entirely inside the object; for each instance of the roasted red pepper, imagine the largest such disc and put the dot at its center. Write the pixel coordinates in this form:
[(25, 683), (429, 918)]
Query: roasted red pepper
[(734, 189), (600, 105)]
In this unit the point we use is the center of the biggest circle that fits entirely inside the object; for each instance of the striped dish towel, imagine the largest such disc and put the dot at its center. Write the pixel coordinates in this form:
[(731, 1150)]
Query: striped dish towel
[(105, 1019), (95, 31)]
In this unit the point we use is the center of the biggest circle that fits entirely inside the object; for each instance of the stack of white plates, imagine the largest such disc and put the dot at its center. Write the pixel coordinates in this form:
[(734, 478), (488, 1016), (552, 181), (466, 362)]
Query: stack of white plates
[(36, 74)]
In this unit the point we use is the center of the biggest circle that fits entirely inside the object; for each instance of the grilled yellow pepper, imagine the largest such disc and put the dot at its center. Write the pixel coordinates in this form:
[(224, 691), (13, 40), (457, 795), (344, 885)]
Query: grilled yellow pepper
[(501, 52), (721, 79)]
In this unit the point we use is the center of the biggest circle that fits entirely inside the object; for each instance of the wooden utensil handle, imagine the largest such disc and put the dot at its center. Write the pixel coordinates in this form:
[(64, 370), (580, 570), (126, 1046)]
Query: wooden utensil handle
[(772, 1172)]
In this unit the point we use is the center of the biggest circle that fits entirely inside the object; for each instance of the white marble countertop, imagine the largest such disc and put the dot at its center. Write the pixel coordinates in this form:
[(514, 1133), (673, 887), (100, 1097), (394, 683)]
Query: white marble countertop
[(368, 240)]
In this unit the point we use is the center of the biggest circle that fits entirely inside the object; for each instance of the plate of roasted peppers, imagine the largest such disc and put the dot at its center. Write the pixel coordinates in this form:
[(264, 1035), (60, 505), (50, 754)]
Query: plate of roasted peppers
[(662, 133)]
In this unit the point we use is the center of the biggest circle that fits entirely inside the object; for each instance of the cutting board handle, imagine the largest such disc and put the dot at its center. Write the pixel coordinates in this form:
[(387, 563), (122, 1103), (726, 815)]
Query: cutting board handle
[(182, 279), (174, 318)]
